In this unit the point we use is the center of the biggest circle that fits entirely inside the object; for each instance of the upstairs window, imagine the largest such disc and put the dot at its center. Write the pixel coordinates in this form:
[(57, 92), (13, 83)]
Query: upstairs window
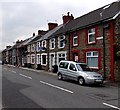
[(44, 43), (61, 41), (91, 36), (52, 43), (75, 39), (32, 47), (28, 48), (38, 46)]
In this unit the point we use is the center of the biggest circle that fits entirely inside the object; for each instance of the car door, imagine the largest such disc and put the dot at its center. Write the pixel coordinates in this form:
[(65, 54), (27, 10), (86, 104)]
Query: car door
[(72, 71)]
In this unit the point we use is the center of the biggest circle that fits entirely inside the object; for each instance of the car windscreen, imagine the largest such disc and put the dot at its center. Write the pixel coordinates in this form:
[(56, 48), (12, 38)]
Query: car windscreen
[(82, 67)]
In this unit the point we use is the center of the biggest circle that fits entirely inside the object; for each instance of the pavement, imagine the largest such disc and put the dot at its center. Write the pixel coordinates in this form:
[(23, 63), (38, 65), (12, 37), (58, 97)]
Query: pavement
[(106, 82)]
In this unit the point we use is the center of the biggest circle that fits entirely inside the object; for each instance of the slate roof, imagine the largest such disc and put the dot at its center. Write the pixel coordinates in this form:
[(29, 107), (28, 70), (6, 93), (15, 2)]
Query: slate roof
[(108, 12), (50, 33), (38, 37)]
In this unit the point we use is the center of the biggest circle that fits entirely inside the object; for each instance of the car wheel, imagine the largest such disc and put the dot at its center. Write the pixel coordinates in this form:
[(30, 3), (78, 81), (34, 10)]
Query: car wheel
[(60, 76), (81, 81)]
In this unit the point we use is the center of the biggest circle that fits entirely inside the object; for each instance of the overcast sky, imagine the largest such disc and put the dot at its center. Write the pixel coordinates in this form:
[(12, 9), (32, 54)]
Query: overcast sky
[(20, 18)]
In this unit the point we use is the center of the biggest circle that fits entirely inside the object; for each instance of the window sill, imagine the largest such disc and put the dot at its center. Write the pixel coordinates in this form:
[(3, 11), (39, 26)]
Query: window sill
[(52, 48), (44, 64), (90, 43), (94, 68), (75, 45), (60, 47)]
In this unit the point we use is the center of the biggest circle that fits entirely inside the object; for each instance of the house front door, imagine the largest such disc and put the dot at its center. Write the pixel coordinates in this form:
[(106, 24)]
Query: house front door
[(75, 57), (52, 60)]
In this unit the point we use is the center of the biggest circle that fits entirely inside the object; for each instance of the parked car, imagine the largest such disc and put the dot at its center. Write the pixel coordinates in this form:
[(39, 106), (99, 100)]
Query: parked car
[(79, 72), (0, 62)]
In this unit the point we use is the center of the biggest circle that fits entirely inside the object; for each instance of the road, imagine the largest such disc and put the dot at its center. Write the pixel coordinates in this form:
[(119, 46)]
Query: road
[(22, 88)]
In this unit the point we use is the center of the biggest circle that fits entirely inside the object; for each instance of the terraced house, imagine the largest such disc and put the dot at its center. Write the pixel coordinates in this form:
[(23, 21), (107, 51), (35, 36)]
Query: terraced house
[(93, 38)]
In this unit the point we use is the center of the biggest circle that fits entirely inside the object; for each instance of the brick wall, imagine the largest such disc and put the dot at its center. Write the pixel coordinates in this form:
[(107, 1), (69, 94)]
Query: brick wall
[(83, 46), (117, 48)]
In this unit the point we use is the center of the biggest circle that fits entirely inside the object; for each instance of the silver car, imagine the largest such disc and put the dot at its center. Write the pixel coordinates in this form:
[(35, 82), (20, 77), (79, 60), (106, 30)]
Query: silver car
[(79, 72)]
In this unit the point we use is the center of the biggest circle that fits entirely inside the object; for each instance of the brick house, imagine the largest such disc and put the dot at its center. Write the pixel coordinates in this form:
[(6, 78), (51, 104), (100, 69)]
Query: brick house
[(33, 47), (90, 39), (43, 47), (57, 43), (93, 38)]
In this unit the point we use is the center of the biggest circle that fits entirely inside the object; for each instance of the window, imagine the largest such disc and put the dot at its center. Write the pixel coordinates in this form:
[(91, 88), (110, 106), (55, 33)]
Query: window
[(91, 36), (44, 59), (92, 59), (44, 43), (38, 46), (32, 47), (28, 48), (61, 56), (75, 39), (52, 43), (63, 65), (32, 59), (61, 41), (72, 67)]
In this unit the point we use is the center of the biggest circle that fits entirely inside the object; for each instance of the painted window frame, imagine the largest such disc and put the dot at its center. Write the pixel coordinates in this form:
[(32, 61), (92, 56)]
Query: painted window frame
[(61, 40), (61, 52), (93, 56), (52, 42), (42, 59), (43, 43), (32, 47), (74, 37), (91, 33), (33, 59), (38, 46), (28, 48)]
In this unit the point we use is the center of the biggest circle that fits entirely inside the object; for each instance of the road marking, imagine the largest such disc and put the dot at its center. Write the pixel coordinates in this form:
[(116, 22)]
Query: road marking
[(13, 71), (25, 76), (56, 87), (111, 106)]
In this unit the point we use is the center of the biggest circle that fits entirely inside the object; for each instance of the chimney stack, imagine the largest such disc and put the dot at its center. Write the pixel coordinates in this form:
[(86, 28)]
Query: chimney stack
[(33, 34), (67, 18), (8, 47), (52, 25), (41, 32)]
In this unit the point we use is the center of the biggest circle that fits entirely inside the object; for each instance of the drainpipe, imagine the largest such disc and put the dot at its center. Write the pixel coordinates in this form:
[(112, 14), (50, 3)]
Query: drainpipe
[(69, 46)]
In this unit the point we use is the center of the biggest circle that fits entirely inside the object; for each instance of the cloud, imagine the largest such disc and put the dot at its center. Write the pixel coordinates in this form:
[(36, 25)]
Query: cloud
[(21, 18)]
